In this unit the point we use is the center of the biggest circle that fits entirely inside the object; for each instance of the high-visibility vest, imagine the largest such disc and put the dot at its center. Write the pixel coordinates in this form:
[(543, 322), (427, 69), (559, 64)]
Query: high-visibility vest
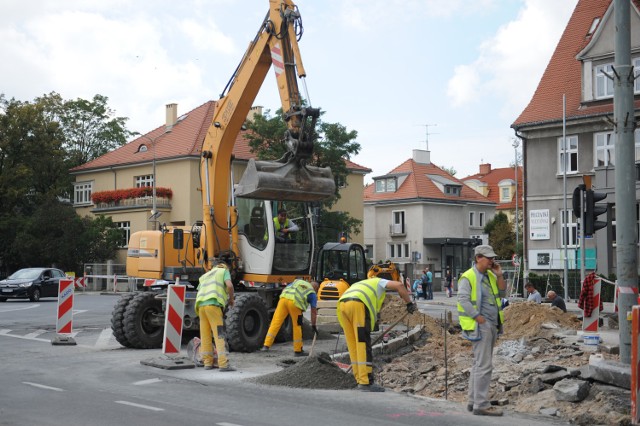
[(367, 292), (212, 287), (467, 322), (298, 291), (276, 226)]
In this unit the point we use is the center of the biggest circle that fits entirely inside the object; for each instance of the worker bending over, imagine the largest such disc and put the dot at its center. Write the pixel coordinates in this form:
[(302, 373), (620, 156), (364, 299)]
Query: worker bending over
[(294, 300), (358, 308)]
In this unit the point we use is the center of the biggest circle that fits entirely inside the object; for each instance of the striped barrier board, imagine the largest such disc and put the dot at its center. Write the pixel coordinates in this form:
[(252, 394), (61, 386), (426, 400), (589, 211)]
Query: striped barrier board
[(590, 323), (635, 365), (64, 324), (173, 319)]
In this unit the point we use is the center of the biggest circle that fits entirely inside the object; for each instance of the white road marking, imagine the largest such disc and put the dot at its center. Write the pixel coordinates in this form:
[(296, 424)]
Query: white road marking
[(146, 407), (5, 331), (147, 382), (79, 311), (18, 308), (24, 337), (34, 334), (227, 424), (104, 338), (37, 385)]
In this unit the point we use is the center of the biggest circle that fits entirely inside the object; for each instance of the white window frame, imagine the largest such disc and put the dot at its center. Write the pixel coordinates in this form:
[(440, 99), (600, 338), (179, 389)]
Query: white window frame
[(144, 181), (602, 84), (472, 218), (505, 194), (398, 222), (572, 229), (126, 227), (82, 192), (398, 250), (481, 219), (572, 151), (604, 149)]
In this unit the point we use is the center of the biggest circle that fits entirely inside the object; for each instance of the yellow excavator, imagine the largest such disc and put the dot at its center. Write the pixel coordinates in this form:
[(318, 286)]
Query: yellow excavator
[(237, 224)]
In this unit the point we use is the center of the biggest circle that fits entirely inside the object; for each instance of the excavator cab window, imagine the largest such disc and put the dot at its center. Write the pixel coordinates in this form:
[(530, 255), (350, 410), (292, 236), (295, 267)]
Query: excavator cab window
[(252, 221), (294, 250)]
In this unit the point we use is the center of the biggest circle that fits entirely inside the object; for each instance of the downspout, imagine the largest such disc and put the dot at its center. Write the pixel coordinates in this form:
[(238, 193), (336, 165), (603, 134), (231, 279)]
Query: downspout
[(115, 178)]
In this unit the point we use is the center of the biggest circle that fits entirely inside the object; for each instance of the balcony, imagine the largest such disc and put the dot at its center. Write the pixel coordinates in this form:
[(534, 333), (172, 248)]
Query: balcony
[(397, 230), (131, 198)]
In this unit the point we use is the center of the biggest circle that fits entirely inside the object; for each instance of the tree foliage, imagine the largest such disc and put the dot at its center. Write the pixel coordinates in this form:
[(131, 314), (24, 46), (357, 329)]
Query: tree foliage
[(39, 142), (501, 235)]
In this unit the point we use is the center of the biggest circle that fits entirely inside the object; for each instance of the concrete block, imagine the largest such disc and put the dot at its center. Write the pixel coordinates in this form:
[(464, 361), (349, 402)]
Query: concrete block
[(571, 390), (610, 372)]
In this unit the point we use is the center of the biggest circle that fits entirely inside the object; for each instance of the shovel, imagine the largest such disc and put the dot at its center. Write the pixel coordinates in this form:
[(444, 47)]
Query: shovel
[(313, 344)]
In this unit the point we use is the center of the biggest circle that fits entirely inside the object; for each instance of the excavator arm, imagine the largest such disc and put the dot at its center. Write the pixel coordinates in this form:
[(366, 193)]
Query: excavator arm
[(287, 179)]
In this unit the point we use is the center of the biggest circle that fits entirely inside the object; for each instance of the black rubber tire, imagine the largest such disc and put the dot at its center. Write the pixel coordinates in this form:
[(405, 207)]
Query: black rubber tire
[(35, 296), (247, 323), (3, 299), (117, 319), (285, 334), (138, 332)]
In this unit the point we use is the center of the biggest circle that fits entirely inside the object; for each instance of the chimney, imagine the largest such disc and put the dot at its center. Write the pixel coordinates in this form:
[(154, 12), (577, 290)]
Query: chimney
[(485, 169), (421, 156), (172, 116), (255, 110)]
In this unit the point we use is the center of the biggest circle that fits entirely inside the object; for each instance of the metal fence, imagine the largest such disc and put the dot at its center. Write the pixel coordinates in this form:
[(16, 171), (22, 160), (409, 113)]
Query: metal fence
[(107, 277)]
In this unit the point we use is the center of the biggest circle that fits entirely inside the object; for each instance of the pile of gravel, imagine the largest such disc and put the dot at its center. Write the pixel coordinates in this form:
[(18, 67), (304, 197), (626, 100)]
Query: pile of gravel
[(313, 372)]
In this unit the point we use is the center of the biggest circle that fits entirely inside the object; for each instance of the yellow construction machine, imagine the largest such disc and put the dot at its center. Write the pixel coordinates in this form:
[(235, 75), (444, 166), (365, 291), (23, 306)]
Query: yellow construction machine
[(237, 224)]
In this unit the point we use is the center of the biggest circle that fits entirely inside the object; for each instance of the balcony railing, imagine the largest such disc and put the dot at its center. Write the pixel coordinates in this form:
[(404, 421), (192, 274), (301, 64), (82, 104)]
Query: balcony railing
[(127, 203), (397, 229)]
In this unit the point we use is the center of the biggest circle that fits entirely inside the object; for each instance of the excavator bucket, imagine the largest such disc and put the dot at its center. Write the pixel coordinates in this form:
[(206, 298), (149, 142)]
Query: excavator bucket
[(273, 180)]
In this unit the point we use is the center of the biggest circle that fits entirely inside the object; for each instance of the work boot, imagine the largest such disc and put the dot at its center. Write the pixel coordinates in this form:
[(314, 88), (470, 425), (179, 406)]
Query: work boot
[(301, 353), (264, 349), (227, 368), (208, 367), (370, 388), (469, 407), (488, 411)]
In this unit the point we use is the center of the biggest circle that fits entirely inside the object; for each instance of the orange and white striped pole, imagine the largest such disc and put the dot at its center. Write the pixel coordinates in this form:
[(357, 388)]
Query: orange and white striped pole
[(174, 318), (635, 365)]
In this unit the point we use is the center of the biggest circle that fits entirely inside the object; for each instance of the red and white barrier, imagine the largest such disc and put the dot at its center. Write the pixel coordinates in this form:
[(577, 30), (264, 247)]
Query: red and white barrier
[(81, 282), (149, 283), (590, 323), (635, 365), (64, 324), (625, 290), (174, 319)]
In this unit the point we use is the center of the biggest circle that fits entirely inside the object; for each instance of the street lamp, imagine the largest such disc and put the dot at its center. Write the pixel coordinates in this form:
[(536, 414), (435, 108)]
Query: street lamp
[(515, 145), (155, 214)]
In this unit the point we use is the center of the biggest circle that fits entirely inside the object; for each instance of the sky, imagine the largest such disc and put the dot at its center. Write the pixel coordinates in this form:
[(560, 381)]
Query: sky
[(449, 76)]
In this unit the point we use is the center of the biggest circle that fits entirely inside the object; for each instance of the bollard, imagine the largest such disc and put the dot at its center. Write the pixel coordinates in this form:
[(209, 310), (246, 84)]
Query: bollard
[(173, 319), (64, 323), (590, 323)]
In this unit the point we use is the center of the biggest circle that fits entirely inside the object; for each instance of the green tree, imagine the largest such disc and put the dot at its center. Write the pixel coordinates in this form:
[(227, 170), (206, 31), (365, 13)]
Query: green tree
[(450, 170), (501, 235), (333, 146)]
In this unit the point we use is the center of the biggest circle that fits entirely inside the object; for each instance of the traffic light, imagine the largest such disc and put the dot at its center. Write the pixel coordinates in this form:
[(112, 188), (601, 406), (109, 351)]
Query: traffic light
[(592, 211), (576, 201)]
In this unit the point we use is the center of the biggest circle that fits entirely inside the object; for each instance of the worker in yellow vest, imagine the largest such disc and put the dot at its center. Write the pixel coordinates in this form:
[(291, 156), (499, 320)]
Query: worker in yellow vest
[(294, 300), (481, 318), (215, 292), (358, 309)]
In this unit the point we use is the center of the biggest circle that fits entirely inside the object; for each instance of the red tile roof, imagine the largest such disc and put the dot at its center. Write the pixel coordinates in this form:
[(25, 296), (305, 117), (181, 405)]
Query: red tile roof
[(418, 185), (563, 73), (493, 178), (184, 140)]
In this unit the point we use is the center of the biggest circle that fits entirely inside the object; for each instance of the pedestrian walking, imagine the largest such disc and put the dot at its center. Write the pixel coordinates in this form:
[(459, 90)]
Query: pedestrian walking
[(481, 318)]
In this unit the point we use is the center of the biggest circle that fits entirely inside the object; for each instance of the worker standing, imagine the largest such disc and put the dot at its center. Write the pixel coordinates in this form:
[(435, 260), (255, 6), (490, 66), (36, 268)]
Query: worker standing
[(294, 300), (358, 309), (215, 292), (481, 318)]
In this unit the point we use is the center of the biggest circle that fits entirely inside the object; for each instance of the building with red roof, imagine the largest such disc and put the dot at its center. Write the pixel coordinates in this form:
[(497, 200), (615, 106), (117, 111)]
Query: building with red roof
[(171, 153), (568, 138), (499, 185), (419, 215)]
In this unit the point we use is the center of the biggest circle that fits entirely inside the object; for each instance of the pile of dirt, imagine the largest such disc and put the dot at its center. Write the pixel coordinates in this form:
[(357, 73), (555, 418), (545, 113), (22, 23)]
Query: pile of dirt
[(528, 348), (313, 372)]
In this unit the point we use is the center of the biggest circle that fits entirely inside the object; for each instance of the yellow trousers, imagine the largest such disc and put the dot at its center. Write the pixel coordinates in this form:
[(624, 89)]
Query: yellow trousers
[(286, 307), (212, 320), (355, 321)]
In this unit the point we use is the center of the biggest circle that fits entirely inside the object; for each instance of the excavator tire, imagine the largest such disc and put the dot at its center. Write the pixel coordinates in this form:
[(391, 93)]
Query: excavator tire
[(139, 330), (247, 322), (117, 319)]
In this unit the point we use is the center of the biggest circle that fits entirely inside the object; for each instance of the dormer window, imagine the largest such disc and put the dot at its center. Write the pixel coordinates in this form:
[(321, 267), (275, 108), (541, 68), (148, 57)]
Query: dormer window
[(386, 184), (452, 190), (447, 186), (594, 26), (142, 148)]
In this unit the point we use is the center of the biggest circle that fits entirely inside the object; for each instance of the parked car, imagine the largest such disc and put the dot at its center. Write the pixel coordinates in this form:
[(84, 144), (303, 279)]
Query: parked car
[(31, 283)]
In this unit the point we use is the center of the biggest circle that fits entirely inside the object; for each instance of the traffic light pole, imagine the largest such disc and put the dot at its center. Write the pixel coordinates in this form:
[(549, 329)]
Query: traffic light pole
[(624, 119)]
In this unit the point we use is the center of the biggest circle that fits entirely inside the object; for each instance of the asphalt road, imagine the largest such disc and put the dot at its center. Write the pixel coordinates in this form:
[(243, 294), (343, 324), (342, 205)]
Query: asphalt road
[(98, 382)]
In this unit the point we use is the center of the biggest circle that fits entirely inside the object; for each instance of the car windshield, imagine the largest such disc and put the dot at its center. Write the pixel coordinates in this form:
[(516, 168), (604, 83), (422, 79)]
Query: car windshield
[(25, 274)]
